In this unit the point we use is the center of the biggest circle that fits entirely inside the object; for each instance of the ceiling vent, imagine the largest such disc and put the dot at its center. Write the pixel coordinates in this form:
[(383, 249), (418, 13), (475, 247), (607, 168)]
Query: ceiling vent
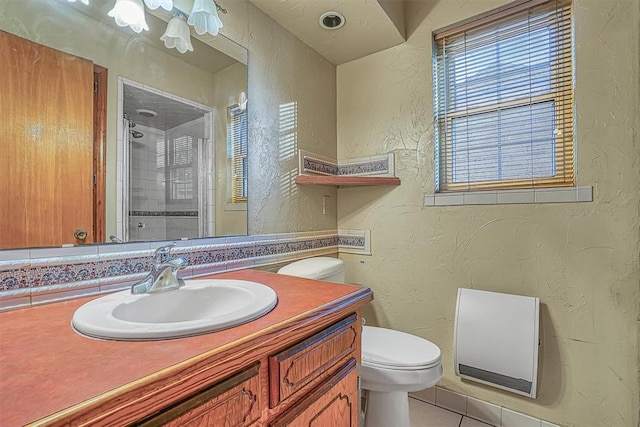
[(146, 113)]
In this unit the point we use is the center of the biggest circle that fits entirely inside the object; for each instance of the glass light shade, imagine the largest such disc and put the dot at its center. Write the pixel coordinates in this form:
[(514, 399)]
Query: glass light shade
[(129, 13), (204, 17), (83, 1), (242, 101), (154, 4), (177, 35)]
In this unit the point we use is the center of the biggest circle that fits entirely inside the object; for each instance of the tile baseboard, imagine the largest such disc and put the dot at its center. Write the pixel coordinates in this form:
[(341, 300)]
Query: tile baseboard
[(488, 413)]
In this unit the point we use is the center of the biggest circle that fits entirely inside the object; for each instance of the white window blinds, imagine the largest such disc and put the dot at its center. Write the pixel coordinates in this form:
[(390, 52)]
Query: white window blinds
[(180, 168), (503, 92), (237, 148)]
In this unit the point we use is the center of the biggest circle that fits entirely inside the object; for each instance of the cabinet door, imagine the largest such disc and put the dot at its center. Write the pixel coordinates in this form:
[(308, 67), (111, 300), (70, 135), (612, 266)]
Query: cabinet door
[(292, 369), (333, 403), (234, 402)]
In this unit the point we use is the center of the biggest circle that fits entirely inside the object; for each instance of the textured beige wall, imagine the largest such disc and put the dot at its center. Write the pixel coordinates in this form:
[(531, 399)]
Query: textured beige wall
[(230, 219), (292, 106), (581, 260)]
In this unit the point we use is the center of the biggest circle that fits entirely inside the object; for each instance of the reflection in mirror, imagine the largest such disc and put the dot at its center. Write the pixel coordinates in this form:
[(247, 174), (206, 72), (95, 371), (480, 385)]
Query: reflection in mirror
[(168, 144), (210, 81)]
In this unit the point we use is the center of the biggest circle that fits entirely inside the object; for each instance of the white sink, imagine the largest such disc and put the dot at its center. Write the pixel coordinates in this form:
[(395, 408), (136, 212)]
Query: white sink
[(200, 306)]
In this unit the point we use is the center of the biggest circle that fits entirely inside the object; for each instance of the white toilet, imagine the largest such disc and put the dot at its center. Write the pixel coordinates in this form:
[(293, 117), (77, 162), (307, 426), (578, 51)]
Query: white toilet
[(394, 363)]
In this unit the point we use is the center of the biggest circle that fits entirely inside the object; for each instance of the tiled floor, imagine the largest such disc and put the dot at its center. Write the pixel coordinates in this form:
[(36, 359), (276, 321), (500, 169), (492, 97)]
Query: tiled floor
[(427, 415)]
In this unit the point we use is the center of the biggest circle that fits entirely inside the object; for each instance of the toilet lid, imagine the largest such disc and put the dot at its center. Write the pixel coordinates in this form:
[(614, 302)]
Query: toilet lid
[(390, 349), (313, 268)]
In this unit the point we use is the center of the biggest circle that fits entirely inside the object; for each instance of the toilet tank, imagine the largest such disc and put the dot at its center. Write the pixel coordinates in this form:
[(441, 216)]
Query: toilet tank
[(318, 268)]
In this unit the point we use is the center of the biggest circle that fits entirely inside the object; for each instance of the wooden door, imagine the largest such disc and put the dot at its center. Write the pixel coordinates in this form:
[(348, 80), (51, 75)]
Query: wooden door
[(46, 141)]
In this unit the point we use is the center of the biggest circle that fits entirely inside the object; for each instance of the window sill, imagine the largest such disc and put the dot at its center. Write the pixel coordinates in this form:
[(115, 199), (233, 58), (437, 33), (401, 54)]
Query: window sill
[(235, 207), (508, 197)]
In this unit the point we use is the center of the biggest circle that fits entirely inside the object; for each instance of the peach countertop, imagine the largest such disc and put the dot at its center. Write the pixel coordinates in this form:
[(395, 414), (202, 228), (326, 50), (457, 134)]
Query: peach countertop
[(46, 367)]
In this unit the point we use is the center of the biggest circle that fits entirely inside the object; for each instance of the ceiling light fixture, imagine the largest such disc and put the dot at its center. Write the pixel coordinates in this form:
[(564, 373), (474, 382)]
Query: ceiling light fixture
[(83, 1), (204, 17), (130, 13), (146, 113), (332, 20), (242, 101), (177, 34)]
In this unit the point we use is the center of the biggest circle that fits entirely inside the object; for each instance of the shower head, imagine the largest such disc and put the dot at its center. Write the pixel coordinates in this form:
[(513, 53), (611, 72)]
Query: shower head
[(136, 134)]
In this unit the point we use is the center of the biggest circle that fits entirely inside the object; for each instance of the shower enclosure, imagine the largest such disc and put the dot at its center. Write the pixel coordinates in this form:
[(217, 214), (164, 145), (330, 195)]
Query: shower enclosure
[(167, 166)]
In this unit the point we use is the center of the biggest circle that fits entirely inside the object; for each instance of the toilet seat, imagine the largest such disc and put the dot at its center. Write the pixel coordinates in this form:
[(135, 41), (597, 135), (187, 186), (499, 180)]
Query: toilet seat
[(395, 350)]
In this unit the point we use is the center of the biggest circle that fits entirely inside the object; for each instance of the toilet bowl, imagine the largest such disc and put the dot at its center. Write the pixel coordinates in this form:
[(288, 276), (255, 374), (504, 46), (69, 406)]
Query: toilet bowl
[(393, 364)]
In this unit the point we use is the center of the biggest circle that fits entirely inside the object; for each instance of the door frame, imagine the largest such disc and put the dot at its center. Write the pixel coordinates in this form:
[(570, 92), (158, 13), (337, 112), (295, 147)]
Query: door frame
[(100, 78), (122, 154)]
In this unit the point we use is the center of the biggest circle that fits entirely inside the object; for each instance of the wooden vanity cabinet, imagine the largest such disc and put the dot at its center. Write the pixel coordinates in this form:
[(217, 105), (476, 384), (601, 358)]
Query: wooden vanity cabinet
[(319, 374), (312, 382), (296, 366), (313, 358), (334, 403), (232, 402)]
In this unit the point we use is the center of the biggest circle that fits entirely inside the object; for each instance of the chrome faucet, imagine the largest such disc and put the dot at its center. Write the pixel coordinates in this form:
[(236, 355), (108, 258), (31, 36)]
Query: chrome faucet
[(163, 275)]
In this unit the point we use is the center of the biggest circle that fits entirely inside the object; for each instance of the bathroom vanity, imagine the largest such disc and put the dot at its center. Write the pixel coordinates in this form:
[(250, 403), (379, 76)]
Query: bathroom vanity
[(294, 366)]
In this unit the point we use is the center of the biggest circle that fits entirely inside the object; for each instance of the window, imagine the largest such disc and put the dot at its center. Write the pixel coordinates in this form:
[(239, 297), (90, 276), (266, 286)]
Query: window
[(179, 157), (237, 148), (503, 94)]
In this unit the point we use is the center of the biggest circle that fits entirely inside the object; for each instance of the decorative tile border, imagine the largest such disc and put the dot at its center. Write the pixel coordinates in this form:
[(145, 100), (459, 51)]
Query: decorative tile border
[(164, 213), (378, 165), (43, 278), (318, 166), (366, 168), (354, 241)]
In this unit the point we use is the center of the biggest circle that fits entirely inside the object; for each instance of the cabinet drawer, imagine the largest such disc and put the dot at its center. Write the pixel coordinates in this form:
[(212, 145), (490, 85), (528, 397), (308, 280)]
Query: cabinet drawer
[(231, 402), (295, 367), (333, 403)]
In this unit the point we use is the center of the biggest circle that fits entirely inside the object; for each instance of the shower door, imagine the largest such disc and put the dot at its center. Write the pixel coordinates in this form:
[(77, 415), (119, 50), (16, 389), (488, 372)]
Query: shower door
[(168, 168)]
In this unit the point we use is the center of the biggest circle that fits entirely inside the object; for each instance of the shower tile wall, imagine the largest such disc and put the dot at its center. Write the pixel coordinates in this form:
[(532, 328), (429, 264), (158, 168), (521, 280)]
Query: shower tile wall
[(152, 216), (182, 216), (179, 227), (147, 189)]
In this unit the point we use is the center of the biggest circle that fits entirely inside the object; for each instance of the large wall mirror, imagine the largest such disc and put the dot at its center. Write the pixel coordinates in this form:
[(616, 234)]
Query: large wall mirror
[(109, 136)]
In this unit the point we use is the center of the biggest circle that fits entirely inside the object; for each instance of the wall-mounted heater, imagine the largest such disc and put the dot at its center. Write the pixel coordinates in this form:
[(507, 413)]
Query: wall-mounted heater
[(496, 340)]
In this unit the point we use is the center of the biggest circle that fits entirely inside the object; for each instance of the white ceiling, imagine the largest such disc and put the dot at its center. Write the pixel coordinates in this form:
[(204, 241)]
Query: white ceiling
[(370, 25), (171, 112)]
